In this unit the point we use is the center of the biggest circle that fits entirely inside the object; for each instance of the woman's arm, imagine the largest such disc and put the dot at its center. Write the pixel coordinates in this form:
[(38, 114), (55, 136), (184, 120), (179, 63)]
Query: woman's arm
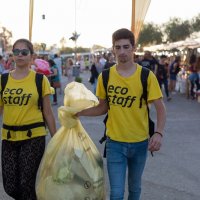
[(55, 71), (48, 115)]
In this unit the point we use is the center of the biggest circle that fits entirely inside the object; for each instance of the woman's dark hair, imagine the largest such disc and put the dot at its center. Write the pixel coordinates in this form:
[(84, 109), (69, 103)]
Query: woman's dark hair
[(123, 33), (51, 62), (27, 42)]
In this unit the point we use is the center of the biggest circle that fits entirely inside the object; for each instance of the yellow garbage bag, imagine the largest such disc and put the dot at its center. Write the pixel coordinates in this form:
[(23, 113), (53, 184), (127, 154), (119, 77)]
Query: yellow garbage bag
[(72, 167)]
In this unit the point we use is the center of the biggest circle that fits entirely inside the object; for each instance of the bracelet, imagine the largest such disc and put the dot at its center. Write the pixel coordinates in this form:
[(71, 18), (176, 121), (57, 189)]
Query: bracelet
[(159, 133)]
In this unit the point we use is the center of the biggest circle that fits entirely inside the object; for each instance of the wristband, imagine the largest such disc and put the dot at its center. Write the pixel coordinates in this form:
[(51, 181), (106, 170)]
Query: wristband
[(159, 133)]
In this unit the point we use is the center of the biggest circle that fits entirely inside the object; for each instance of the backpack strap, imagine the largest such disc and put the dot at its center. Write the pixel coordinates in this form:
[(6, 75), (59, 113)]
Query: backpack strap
[(38, 81), (4, 80), (105, 77), (144, 78)]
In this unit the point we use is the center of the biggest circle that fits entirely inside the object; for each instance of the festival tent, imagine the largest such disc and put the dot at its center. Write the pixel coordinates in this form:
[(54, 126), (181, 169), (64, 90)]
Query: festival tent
[(180, 45)]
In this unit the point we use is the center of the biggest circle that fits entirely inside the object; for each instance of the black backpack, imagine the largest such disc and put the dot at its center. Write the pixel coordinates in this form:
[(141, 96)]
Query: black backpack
[(38, 82), (144, 78)]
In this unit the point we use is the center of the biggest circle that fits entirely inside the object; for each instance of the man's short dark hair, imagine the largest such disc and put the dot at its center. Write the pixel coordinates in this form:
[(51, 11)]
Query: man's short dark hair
[(123, 33)]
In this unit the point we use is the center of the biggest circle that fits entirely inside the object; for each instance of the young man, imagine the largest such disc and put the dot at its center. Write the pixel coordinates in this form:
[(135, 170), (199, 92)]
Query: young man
[(162, 74), (127, 125)]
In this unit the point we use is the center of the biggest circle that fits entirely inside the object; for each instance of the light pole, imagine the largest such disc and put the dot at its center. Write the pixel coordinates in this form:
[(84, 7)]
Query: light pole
[(31, 5), (75, 35), (74, 38)]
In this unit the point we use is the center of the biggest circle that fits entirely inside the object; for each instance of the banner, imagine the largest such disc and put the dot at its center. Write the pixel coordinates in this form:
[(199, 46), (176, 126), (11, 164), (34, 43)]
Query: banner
[(139, 10)]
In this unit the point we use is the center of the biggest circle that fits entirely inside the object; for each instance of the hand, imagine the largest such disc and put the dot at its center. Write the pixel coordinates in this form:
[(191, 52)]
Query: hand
[(155, 142)]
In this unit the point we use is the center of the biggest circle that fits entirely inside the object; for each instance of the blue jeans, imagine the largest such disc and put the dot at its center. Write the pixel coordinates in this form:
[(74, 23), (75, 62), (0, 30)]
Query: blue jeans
[(121, 155)]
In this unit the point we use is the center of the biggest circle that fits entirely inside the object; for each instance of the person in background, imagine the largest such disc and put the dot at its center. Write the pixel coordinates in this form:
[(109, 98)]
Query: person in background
[(102, 59), (69, 70), (95, 70), (54, 79), (9, 64), (23, 131), (148, 61), (194, 76), (110, 61), (127, 125), (58, 61), (174, 69), (136, 58), (80, 62), (2, 65), (198, 65), (162, 75)]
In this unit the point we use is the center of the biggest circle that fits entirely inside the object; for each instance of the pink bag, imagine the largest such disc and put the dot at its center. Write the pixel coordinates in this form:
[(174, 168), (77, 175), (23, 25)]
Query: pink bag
[(42, 67)]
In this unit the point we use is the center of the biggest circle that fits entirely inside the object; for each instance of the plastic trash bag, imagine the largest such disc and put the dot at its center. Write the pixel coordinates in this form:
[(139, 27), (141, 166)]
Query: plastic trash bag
[(72, 167)]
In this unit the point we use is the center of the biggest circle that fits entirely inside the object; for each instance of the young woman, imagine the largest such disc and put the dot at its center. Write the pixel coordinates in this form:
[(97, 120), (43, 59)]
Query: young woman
[(69, 70), (54, 79), (23, 132)]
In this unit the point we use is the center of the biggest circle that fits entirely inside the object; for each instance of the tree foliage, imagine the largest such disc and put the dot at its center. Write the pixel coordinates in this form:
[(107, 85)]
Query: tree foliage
[(172, 31), (151, 34), (67, 50), (196, 23), (5, 37), (176, 29)]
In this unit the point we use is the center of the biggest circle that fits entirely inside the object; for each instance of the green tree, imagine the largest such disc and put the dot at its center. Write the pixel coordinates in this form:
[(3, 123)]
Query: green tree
[(177, 30), (150, 34), (5, 37), (82, 49), (196, 23), (67, 50)]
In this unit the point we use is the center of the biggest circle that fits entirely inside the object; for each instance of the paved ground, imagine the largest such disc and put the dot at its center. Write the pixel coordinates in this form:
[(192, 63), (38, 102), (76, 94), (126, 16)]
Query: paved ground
[(173, 173)]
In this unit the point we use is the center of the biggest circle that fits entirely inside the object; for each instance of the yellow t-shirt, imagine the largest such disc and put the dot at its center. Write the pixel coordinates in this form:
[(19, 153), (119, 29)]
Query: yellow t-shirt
[(20, 102), (127, 122)]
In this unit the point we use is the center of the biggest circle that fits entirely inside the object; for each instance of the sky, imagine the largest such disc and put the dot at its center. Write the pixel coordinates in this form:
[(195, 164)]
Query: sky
[(94, 20)]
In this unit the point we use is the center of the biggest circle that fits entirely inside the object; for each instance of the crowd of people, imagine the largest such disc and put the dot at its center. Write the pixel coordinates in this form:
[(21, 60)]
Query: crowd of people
[(168, 70)]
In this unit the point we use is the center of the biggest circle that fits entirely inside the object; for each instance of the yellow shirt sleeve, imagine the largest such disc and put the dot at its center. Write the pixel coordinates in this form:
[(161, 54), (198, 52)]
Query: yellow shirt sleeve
[(153, 88)]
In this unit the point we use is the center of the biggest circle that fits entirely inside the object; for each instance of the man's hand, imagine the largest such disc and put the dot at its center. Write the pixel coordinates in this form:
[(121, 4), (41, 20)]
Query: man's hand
[(155, 142)]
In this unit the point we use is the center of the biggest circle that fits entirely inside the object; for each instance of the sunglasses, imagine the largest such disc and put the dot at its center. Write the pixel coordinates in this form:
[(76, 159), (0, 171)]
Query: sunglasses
[(24, 52)]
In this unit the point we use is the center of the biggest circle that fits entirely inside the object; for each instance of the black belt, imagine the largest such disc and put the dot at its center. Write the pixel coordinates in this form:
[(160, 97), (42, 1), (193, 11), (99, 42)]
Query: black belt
[(27, 127)]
